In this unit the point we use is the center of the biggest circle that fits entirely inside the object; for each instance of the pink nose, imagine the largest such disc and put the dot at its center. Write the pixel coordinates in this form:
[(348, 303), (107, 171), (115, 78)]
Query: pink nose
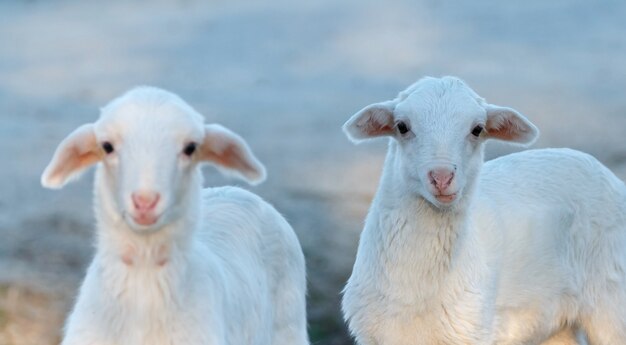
[(441, 178), (145, 200)]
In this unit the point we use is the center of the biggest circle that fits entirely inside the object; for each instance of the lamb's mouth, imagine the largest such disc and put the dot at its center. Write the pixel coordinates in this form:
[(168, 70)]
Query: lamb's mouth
[(144, 222), (445, 198), (145, 219)]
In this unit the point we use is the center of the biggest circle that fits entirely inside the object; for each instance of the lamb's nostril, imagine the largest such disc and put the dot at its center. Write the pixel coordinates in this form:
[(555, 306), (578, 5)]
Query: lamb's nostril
[(145, 200), (441, 178)]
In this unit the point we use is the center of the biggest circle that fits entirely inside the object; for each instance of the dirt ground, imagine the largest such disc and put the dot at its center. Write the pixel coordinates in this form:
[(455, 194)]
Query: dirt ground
[(285, 75)]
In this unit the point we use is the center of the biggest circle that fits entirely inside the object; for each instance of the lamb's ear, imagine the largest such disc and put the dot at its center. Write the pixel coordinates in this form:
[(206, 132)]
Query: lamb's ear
[(75, 154), (506, 124), (230, 154), (375, 120)]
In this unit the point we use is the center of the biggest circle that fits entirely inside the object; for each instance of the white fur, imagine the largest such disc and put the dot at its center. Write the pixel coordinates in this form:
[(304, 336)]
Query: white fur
[(219, 267), (533, 245)]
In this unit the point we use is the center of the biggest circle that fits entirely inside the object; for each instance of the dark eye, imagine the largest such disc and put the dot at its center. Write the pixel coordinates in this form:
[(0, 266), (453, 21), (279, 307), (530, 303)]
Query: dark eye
[(477, 130), (403, 128), (107, 147), (190, 149)]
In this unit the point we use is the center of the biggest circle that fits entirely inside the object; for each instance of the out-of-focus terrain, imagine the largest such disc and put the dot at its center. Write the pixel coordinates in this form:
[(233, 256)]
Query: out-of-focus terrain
[(285, 75)]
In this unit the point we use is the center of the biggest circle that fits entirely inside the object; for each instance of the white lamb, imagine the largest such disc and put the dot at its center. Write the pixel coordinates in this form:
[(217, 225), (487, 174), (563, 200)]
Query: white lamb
[(175, 264), (526, 250)]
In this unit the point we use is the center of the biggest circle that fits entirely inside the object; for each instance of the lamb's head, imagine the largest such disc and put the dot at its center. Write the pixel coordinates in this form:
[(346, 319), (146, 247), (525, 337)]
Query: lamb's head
[(149, 143), (438, 127)]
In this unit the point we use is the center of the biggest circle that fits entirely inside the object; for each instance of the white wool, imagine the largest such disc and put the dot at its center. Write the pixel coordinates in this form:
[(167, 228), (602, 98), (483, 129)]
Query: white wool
[(529, 248), (220, 266)]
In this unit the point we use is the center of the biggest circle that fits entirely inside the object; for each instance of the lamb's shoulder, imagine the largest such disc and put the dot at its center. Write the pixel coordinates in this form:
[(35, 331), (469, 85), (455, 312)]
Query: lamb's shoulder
[(540, 196), (232, 213), (237, 198), (239, 218), (554, 175)]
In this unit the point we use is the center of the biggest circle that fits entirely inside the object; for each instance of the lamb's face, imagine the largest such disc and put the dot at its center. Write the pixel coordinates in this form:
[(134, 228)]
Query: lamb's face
[(439, 126), (148, 161), (440, 139), (149, 143)]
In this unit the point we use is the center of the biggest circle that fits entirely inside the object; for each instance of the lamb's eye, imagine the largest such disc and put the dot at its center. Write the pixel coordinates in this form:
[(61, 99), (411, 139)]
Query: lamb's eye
[(107, 147), (403, 128), (189, 149), (477, 130)]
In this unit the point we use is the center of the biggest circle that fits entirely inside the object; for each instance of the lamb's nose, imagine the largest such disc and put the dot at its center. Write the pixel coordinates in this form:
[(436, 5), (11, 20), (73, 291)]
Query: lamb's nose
[(441, 178), (145, 200)]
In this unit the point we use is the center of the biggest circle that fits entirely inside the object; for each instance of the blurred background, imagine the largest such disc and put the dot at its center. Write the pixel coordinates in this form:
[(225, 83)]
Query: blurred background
[(285, 75)]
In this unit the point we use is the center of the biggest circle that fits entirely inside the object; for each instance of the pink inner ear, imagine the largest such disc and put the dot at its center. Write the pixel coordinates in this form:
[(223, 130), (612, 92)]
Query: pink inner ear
[(501, 127), (78, 151), (376, 129), (72, 162), (87, 159), (231, 157), (378, 123), (229, 151)]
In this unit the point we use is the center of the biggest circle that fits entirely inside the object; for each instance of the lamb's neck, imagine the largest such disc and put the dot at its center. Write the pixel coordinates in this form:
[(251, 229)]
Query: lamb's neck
[(118, 242), (413, 232)]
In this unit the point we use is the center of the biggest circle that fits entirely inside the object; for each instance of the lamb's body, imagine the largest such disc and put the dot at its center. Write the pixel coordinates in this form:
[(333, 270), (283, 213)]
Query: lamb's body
[(535, 247), (562, 230), (545, 249), (243, 268)]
